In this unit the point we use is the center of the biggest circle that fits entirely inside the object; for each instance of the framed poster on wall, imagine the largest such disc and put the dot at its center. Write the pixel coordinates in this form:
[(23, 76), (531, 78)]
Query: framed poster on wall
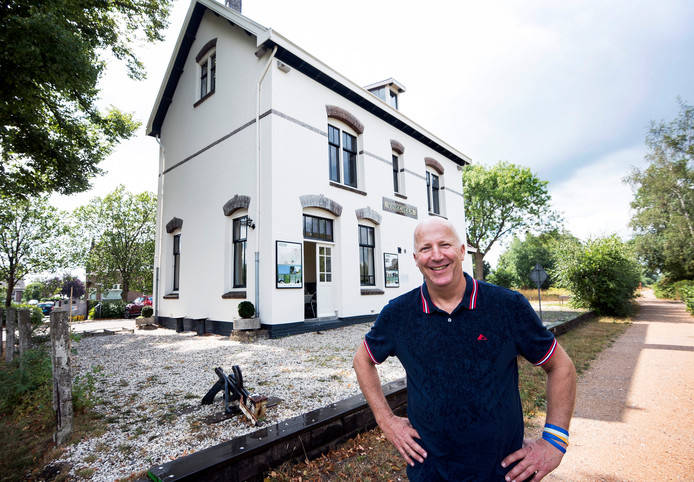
[(392, 271), (288, 272)]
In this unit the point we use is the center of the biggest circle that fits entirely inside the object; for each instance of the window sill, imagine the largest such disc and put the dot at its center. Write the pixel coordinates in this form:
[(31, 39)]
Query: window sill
[(437, 215), (203, 99), (234, 295), (372, 291), (347, 188), (171, 296), (402, 196)]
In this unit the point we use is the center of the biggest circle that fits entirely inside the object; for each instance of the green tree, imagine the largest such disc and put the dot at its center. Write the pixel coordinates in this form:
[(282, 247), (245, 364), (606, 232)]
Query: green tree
[(664, 198), (30, 234), (114, 237), (53, 135), (516, 263), (602, 274), (32, 291), (500, 201)]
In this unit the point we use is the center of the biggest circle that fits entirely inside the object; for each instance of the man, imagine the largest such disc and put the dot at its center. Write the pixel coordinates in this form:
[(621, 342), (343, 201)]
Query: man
[(458, 340)]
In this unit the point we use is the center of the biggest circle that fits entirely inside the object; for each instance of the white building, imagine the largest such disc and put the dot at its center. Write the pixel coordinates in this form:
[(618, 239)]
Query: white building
[(280, 178)]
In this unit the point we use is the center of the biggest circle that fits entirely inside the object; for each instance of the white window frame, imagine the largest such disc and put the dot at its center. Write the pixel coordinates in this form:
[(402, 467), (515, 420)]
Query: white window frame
[(208, 66), (435, 193), (342, 128)]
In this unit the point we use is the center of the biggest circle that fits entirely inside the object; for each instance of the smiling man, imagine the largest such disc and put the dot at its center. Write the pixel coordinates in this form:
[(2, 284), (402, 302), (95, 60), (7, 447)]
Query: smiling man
[(458, 340)]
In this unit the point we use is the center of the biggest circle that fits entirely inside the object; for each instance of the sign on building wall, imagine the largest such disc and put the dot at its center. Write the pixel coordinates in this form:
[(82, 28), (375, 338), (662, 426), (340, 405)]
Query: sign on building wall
[(391, 270), (288, 265), (397, 207)]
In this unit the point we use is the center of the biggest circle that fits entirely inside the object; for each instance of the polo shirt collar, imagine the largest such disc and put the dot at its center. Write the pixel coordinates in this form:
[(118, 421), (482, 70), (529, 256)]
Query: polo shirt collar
[(469, 298)]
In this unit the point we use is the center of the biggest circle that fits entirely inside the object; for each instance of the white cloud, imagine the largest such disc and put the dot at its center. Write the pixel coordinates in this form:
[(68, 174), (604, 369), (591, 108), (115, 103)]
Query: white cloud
[(594, 200)]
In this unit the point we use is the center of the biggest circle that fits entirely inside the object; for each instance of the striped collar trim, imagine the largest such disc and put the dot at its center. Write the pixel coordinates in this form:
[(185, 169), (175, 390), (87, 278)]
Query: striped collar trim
[(469, 298)]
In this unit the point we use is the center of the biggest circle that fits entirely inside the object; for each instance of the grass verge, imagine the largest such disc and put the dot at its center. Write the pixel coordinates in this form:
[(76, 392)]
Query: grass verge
[(370, 457)]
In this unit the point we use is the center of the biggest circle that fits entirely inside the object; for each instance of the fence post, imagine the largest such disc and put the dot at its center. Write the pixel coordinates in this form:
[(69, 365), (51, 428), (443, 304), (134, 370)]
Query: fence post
[(62, 379), (24, 330), (9, 338)]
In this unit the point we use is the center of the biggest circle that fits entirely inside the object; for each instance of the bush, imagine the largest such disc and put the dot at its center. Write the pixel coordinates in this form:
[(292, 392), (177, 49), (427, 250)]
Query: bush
[(108, 309), (602, 275), (246, 309), (36, 313), (679, 290), (502, 277), (147, 311), (33, 380)]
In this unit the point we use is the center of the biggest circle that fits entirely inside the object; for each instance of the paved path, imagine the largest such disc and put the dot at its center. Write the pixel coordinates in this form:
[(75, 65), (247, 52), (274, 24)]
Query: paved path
[(634, 417)]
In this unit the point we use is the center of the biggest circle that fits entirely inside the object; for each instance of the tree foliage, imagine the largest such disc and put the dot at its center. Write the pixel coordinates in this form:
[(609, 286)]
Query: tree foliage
[(53, 135), (115, 239), (73, 287), (664, 198), (500, 201), (30, 234), (602, 274), (516, 263), (44, 288)]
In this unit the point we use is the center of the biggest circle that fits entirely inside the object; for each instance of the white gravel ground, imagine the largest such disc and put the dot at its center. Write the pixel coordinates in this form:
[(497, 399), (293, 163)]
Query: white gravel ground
[(148, 386)]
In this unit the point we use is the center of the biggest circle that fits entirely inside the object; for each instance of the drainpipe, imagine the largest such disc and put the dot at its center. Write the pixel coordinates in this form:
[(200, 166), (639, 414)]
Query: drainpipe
[(258, 222), (160, 216)]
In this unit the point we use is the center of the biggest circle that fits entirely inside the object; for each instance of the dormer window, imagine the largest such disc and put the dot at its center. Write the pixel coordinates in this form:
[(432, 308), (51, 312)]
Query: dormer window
[(387, 91)]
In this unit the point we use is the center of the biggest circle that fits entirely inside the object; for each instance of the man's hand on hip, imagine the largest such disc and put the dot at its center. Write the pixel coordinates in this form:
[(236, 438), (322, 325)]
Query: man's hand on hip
[(401, 434), (536, 459)]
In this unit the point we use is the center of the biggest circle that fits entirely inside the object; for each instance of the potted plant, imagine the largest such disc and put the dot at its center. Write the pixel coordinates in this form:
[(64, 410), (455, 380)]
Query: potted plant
[(246, 309), (145, 318)]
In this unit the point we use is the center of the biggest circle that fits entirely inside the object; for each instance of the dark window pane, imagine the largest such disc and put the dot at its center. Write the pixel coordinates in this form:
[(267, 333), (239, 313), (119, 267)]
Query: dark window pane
[(396, 170), (176, 262), (213, 72), (203, 79), (318, 228), (366, 256), (349, 159), (240, 231)]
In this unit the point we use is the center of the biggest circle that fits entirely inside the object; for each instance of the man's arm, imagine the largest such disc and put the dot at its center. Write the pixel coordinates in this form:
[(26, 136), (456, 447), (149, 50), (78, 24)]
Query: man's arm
[(538, 456), (396, 429)]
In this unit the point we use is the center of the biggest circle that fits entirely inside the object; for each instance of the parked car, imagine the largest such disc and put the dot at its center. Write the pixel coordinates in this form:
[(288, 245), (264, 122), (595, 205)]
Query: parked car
[(46, 307), (134, 308)]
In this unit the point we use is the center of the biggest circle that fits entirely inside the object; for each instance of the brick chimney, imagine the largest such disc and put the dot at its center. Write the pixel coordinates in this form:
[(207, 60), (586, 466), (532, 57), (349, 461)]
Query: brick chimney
[(234, 4)]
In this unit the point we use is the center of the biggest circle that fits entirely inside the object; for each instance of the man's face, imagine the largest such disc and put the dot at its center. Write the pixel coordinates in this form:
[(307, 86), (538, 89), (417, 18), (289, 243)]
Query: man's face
[(439, 255)]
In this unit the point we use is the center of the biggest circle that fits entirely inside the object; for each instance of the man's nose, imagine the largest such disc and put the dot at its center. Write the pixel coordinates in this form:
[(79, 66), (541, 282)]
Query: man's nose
[(436, 253)]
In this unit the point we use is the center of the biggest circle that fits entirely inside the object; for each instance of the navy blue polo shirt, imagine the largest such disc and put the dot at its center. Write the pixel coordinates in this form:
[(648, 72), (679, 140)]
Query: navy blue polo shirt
[(462, 373)]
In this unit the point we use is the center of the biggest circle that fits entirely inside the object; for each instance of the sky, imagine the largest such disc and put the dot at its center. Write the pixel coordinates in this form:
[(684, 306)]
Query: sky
[(566, 88)]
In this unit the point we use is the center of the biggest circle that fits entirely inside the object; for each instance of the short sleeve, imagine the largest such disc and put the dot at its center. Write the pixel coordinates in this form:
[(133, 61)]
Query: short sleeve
[(533, 340), (379, 341)]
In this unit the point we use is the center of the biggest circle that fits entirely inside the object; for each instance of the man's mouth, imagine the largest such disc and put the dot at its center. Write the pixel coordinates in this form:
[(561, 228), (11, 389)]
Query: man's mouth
[(438, 268)]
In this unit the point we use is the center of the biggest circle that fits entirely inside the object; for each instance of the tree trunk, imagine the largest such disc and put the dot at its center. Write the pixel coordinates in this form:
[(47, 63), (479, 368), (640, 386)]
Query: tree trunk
[(479, 266), (126, 289), (11, 314)]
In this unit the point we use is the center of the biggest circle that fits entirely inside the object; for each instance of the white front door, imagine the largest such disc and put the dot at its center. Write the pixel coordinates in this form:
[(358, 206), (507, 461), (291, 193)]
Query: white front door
[(325, 295)]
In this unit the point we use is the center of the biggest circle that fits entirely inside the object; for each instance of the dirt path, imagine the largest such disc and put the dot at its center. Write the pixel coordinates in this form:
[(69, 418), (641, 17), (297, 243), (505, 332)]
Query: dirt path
[(634, 417)]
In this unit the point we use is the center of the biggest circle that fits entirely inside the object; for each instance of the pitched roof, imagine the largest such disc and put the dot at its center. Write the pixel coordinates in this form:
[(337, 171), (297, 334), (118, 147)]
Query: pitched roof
[(296, 58)]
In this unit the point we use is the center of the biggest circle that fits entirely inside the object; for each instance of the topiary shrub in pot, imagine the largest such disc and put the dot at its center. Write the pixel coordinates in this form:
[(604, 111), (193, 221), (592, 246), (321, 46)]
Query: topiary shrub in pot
[(147, 311), (246, 309)]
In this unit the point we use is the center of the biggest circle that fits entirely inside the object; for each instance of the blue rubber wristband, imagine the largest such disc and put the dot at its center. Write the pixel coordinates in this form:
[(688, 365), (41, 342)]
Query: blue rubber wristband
[(558, 429), (547, 436), (558, 447)]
